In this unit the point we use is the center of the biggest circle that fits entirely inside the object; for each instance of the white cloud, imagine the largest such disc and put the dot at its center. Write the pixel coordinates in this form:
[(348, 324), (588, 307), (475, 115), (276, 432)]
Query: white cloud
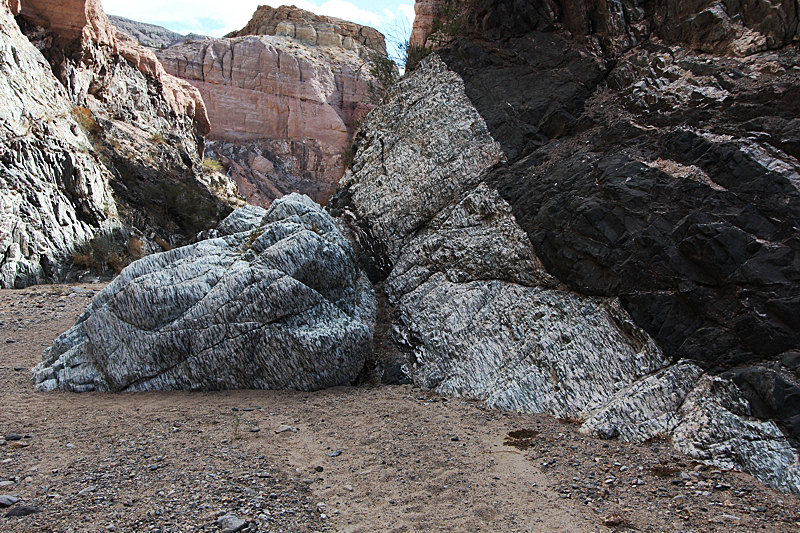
[(210, 17)]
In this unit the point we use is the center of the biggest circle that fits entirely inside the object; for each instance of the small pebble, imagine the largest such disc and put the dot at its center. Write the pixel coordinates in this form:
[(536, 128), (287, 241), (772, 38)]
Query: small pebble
[(22, 510), (337, 453), (231, 524), (7, 500)]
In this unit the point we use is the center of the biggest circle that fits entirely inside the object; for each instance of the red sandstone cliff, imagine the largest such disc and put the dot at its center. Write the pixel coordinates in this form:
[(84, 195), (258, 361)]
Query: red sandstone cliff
[(282, 95)]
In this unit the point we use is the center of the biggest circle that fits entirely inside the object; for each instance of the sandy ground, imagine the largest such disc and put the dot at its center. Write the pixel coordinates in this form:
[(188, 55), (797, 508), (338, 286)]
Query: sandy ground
[(361, 459)]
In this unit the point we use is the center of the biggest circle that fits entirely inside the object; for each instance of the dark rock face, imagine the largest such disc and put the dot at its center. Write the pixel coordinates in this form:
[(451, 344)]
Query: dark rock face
[(648, 178), (707, 261)]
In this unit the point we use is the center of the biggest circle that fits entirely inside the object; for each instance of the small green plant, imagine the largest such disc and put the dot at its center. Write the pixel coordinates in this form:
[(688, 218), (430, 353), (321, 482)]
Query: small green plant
[(254, 234), (236, 423), (211, 165), (384, 73), (415, 54), (349, 156)]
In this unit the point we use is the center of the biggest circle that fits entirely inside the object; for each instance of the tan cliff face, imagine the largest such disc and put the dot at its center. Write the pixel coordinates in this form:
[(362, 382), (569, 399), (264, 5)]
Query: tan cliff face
[(290, 95), (107, 152), (314, 29), (85, 21)]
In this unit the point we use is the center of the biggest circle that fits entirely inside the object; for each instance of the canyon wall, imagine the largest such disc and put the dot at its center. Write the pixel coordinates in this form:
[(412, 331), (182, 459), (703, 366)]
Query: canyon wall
[(283, 96), (568, 190), (105, 158)]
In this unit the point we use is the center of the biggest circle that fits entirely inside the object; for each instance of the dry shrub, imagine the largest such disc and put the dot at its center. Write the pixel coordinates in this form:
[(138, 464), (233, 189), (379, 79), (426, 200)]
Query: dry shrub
[(135, 248), (82, 260), (163, 244), (117, 263), (83, 116)]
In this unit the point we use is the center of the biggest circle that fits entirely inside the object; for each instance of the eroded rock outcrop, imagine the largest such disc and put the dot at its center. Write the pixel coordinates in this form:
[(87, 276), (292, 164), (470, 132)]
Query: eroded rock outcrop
[(314, 29), (283, 96), (54, 191), (657, 190), (118, 125), (279, 305)]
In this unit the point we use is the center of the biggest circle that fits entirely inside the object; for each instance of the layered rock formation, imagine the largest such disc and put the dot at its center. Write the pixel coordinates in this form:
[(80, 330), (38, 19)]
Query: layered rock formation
[(657, 189), (117, 124), (280, 304), (150, 35), (283, 96), (316, 30)]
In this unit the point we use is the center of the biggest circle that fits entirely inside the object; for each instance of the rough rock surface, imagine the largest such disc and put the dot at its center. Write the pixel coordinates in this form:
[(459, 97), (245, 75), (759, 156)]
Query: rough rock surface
[(644, 175), (281, 305), (118, 125), (314, 29), (150, 35), (283, 105), (54, 192)]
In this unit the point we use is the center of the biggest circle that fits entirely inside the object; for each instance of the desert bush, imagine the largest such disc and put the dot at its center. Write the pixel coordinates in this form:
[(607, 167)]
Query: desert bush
[(415, 54), (163, 244), (83, 116), (211, 165), (135, 248), (384, 73)]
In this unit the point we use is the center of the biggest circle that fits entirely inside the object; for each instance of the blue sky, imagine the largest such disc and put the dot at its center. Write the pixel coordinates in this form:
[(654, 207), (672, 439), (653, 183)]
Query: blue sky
[(214, 18)]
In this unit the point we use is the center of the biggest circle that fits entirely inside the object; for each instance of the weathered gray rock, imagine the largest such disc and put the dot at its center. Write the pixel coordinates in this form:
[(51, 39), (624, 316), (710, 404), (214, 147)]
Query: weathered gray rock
[(54, 191), (485, 320), (649, 407), (476, 308), (717, 427), (417, 152), (243, 219), (281, 306)]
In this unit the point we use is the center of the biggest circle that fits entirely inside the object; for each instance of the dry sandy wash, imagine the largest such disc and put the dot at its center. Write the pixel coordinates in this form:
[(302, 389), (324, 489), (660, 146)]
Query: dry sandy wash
[(366, 459)]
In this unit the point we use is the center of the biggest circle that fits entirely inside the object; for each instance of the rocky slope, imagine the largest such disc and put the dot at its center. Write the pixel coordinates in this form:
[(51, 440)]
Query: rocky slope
[(101, 147), (150, 35), (283, 95), (570, 192)]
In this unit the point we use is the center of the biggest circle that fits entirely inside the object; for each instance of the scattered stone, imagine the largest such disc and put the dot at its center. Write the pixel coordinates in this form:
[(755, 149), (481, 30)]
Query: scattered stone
[(318, 469), (455, 439), (13, 436), (23, 510), (6, 500), (87, 491), (6, 483), (255, 430), (230, 524), (336, 453), (614, 520), (607, 432), (284, 429)]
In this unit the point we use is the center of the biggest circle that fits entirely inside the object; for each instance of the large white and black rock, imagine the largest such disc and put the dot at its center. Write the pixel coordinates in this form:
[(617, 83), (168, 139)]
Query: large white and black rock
[(487, 309), (281, 305)]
